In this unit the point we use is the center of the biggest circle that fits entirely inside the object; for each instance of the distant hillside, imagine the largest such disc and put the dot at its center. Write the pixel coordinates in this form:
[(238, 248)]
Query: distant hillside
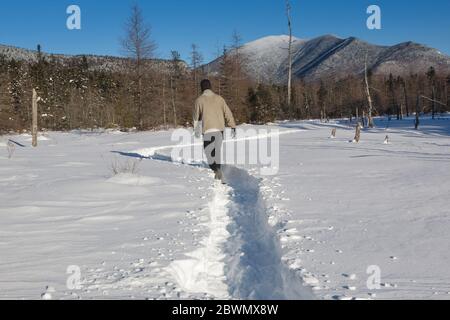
[(332, 57), (105, 63)]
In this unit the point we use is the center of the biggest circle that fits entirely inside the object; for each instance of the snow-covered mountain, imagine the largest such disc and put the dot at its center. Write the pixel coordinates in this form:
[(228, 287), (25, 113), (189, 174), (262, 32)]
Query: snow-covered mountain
[(263, 58), (333, 57)]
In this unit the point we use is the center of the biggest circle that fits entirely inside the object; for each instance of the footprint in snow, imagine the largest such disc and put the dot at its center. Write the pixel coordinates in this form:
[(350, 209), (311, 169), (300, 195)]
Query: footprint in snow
[(317, 288), (343, 298), (388, 285), (393, 258), (310, 280), (291, 231), (351, 288)]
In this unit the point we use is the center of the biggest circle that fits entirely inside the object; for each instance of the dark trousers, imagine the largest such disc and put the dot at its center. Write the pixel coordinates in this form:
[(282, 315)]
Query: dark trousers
[(212, 143)]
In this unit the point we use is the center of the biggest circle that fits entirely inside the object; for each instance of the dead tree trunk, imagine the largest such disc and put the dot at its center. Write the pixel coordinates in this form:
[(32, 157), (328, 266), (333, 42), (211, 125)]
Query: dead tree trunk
[(34, 127), (369, 97), (333, 133), (417, 121), (358, 133), (289, 89)]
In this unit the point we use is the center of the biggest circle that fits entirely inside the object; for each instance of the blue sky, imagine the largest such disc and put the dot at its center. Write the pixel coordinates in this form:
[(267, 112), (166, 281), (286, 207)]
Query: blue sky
[(177, 24)]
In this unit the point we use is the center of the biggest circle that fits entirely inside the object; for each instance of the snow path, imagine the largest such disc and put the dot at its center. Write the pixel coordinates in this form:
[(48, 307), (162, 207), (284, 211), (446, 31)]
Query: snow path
[(241, 257), (204, 271), (255, 269)]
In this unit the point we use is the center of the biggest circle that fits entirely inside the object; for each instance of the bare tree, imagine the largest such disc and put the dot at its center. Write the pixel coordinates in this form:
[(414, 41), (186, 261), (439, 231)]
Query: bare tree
[(289, 89), (238, 61), (236, 43), (196, 62), (226, 75), (138, 45)]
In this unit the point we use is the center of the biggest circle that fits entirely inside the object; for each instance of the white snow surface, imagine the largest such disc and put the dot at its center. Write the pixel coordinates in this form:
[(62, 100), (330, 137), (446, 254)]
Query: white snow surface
[(165, 230)]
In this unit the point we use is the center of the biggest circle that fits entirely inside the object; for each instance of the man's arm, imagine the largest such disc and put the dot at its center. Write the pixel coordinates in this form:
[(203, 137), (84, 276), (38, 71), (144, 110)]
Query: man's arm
[(197, 118), (197, 112), (228, 116)]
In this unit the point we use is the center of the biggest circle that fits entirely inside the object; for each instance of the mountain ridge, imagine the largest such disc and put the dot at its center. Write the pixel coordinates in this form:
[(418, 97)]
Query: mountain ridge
[(333, 57), (266, 58)]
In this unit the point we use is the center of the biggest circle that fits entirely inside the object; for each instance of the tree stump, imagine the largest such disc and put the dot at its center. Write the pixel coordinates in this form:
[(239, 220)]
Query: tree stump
[(34, 128), (358, 133), (333, 133)]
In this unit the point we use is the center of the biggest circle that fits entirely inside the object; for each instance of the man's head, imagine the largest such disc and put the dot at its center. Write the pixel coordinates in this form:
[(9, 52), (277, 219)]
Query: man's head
[(205, 85)]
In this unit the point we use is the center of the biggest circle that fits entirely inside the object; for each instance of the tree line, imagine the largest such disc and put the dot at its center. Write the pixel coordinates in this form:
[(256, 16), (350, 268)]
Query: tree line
[(75, 94)]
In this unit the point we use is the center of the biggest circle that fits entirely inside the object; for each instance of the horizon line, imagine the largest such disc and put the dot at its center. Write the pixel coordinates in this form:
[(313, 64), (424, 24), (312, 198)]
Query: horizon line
[(254, 40)]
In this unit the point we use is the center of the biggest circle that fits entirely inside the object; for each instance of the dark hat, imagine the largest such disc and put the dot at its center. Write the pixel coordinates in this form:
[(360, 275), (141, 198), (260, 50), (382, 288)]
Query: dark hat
[(205, 85)]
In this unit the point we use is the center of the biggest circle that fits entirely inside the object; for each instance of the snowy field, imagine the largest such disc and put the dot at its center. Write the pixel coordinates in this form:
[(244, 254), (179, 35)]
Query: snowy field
[(139, 226)]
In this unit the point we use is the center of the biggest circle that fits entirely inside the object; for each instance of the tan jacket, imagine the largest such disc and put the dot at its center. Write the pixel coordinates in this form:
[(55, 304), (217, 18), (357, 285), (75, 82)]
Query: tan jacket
[(213, 111)]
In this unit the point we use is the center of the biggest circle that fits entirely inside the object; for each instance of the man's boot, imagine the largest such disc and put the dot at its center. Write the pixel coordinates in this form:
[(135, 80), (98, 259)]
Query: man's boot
[(219, 175)]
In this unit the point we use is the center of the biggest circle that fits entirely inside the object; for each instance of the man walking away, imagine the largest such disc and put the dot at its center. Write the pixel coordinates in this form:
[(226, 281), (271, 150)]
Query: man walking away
[(215, 114)]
